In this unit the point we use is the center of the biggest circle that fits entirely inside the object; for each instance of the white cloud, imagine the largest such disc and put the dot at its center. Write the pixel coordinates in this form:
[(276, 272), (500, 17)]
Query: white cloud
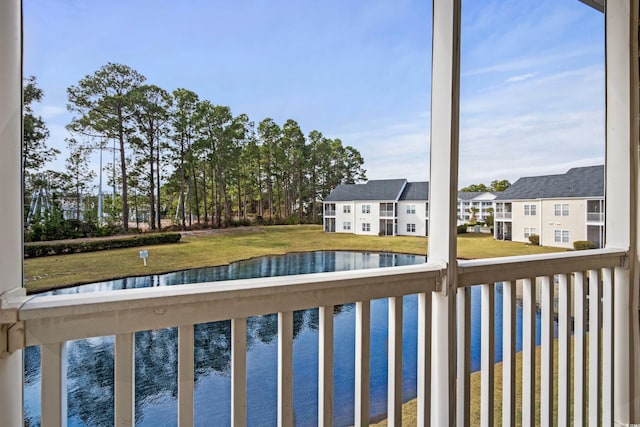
[(398, 150), (49, 112), (520, 78)]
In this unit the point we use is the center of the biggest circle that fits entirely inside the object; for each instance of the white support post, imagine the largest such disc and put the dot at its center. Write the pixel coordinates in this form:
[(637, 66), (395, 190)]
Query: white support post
[(607, 346), (564, 350), (622, 213), (325, 366), (487, 356), (124, 384), (424, 358), (509, 354), (579, 350), (546, 352), (463, 356), (239, 372), (10, 194), (285, 369), (54, 385), (394, 370), (445, 110), (594, 350), (185, 375), (363, 342), (528, 351)]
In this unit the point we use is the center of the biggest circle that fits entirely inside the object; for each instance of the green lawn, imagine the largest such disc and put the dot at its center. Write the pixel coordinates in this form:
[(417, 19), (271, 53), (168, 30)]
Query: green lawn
[(218, 247)]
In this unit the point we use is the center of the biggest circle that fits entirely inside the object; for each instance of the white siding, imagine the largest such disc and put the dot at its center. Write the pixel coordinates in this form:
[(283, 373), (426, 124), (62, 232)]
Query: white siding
[(419, 218), (547, 223), (372, 218), (343, 217)]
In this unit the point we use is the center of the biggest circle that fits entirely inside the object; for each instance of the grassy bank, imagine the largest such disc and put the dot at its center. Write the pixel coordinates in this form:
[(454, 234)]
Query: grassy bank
[(409, 409), (219, 247)]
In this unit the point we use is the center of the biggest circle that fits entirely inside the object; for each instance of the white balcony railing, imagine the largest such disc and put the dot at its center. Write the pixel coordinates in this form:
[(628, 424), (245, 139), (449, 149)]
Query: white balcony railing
[(503, 215), (52, 321), (595, 217)]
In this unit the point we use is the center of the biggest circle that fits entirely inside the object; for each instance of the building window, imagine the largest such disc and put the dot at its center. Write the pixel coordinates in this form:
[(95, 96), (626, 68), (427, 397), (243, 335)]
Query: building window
[(346, 225), (411, 209), (561, 236), (366, 226), (561, 209), (530, 210), (411, 228), (529, 231), (329, 208), (346, 209), (366, 209)]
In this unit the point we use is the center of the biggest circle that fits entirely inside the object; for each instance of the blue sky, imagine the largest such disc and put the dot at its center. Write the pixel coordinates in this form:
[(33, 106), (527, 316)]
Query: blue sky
[(532, 72)]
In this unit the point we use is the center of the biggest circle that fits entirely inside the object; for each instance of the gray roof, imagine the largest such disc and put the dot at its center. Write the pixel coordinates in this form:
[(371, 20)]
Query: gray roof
[(577, 182), (416, 191), (468, 195), (381, 189)]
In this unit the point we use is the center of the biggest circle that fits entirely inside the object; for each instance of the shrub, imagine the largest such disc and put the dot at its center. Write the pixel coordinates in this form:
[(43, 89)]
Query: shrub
[(293, 220), (32, 250), (534, 239), (580, 245), (462, 228)]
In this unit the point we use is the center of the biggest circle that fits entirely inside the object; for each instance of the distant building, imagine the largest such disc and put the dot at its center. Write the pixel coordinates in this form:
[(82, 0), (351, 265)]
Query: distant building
[(480, 200), (387, 207), (559, 208)]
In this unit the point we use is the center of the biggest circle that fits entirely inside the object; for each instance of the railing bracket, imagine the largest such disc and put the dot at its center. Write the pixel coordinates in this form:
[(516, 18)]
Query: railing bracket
[(624, 260), (11, 330), (441, 280)]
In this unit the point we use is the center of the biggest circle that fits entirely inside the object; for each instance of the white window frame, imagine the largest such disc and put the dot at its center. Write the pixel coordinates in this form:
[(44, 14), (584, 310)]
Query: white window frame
[(411, 228), (346, 209), (346, 225), (366, 209), (529, 231), (561, 236), (561, 209), (411, 209), (366, 226)]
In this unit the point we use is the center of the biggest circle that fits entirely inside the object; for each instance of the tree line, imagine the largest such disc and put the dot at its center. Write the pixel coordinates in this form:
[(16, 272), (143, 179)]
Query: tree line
[(174, 152), (496, 186)]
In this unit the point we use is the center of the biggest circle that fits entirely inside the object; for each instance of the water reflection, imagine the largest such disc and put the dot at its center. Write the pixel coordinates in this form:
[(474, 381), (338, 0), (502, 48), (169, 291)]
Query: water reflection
[(90, 361)]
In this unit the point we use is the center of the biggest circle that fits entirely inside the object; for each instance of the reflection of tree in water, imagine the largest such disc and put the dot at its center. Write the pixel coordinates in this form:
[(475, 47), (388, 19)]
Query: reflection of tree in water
[(31, 365), (91, 363), (90, 381)]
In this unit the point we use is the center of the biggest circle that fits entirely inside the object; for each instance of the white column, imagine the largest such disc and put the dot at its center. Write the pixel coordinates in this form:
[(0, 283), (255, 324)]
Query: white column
[(445, 96), (285, 369), (10, 194), (621, 33)]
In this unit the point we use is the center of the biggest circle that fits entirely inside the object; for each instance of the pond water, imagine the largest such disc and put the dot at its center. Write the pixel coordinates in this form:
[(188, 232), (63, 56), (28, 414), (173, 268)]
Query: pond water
[(90, 361)]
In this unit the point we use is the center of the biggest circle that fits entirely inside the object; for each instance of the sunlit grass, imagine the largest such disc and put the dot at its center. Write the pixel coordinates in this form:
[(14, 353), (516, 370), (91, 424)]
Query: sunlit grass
[(204, 249)]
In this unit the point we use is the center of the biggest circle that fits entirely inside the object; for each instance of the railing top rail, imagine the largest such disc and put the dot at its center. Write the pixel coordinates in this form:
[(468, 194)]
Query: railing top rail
[(59, 318), (491, 270)]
